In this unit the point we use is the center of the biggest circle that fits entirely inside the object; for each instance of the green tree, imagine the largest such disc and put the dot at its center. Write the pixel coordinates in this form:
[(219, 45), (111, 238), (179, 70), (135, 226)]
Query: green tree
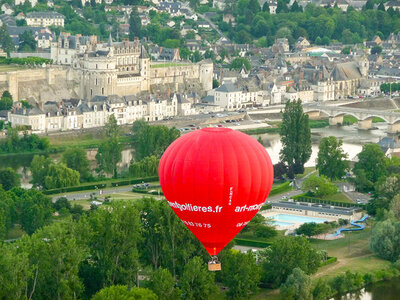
[(371, 164), (163, 285), (297, 286), (76, 159), (9, 179), (320, 186), (309, 229), (240, 62), (265, 7), (369, 5), (123, 292), (59, 175), (388, 187), (113, 239), (34, 209), (15, 272), (151, 140), (135, 25), (109, 153), (384, 239), (147, 167), (6, 103), (331, 160), (54, 255), (197, 283), (240, 274), (39, 169), (286, 254), (27, 42), (295, 137), (6, 42), (376, 50), (321, 290), (381, 6), (395, 207), (282, 7)]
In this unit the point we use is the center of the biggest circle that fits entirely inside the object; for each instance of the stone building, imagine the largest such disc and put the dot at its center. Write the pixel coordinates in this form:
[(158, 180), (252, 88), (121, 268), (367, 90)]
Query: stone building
[(44, 19), (124, 68)]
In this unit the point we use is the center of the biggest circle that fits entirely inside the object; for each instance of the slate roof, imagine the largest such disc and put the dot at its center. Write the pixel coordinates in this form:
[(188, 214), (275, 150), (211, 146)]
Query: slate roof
[(227, 88), (346, 71), (44, 15), (316, 207), (388, 143)]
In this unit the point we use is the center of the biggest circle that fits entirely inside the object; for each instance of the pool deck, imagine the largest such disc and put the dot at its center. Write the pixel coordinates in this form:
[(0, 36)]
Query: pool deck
[(271, 213)]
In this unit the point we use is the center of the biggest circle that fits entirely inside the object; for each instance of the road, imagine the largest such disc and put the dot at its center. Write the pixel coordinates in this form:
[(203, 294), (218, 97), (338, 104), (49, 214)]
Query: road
[(215, 27)]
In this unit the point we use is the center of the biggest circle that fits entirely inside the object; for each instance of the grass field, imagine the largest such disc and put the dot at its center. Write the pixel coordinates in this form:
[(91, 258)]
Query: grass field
[(377, 120), (307, 170), (353, 254), (348, 120), (339, 197), (7, 68)]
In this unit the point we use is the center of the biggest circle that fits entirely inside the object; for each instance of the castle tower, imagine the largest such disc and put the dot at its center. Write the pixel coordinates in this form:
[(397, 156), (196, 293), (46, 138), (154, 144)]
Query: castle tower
[(363, 64), (206, 74)]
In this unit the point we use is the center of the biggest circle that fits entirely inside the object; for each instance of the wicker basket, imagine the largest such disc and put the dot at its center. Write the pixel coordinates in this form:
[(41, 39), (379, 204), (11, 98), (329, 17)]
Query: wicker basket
[(214, 266)]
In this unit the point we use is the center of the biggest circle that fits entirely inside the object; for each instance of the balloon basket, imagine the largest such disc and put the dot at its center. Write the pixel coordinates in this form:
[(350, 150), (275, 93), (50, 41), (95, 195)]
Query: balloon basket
[(214, 264)]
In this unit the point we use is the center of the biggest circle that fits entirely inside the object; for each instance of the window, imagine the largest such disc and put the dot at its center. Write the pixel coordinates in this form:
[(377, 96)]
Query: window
[(102, 91)]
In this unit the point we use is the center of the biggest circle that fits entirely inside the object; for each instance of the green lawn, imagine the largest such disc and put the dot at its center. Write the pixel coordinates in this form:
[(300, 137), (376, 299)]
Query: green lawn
[(339, 197), (353, 254), (377, 120), (348, 120), (307, 170), (7, 68)]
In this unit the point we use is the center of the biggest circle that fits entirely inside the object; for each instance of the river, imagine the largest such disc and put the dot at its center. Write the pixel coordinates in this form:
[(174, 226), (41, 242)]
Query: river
[(353, 140), (386, 290)]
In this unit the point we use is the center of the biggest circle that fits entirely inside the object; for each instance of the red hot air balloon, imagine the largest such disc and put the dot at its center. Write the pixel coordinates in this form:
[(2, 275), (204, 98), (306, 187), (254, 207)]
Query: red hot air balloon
[(215, 180)]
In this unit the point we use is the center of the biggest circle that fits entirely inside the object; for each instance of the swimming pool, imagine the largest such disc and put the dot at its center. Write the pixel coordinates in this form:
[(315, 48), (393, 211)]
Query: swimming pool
[(282, 224), (296, 219)]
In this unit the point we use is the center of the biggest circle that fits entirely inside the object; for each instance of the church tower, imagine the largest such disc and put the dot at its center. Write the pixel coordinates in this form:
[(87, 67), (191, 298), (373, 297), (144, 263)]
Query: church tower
[(363, 64)]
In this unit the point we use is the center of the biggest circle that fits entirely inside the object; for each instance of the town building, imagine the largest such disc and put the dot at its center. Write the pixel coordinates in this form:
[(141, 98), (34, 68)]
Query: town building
[(20, 2), (44, 19)]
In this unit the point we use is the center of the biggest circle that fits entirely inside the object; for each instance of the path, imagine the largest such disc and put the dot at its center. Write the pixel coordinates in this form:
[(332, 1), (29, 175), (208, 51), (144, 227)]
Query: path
[(342, 261), (215, 27)]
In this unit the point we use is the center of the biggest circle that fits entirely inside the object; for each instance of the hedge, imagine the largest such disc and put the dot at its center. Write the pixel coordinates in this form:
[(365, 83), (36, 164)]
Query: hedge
[(25, 61), (301, 198), (266, 207), (252, 243), (329, 261), (133, 181), (75, 188), (99, 185), (147, 191), (284, 187)]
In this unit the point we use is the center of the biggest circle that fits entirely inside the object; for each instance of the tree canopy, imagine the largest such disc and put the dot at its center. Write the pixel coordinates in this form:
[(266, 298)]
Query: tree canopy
[(331, 160)]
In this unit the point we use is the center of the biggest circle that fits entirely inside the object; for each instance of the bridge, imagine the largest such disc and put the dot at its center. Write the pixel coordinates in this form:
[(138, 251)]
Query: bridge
[(364, 116)]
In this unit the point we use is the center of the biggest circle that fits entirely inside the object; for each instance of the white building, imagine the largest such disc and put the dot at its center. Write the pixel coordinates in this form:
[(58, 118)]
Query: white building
[(44, 19), (19, 2), (228, 96)]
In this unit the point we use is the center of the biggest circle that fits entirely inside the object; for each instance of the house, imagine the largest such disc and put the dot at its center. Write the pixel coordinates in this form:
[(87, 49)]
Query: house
[(84, 2), (50, 3), (342, 4), (393, 4), (228, 18), (20, 2), (44, 39), (219, 4), (203, 24), (302, 43), (6, 9), (44, 19), (228, 96), (8, 20), (390, 146)]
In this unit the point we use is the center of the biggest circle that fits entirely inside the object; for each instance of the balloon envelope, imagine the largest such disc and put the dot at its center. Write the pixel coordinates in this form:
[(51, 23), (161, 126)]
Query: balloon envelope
[(215, 180)]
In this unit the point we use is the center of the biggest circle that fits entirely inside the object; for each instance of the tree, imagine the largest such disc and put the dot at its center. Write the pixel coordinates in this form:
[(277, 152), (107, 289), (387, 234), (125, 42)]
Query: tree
[(286, 254), (39, 169), (9, 179), (281, 7), (309, 229), (27, 42), (240, 62), (321, 290), (295, 137), (265, 7), (240, 274), (135, 25), (388, 187), (369, 4), (34, 209), (381, 6), (62, 203), (114, 235), (123, 292), (6, 42), (59, 175), (319, 185), (151, 140), (297, 286), (55, 253), (331, 160), (197, 282), (163, 285), (15, 272), (384, 239), (147, 167), (376, 50), (76, 159), (395, 207), (371, 164), (6, 102), (109, 152), (280, 170)]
